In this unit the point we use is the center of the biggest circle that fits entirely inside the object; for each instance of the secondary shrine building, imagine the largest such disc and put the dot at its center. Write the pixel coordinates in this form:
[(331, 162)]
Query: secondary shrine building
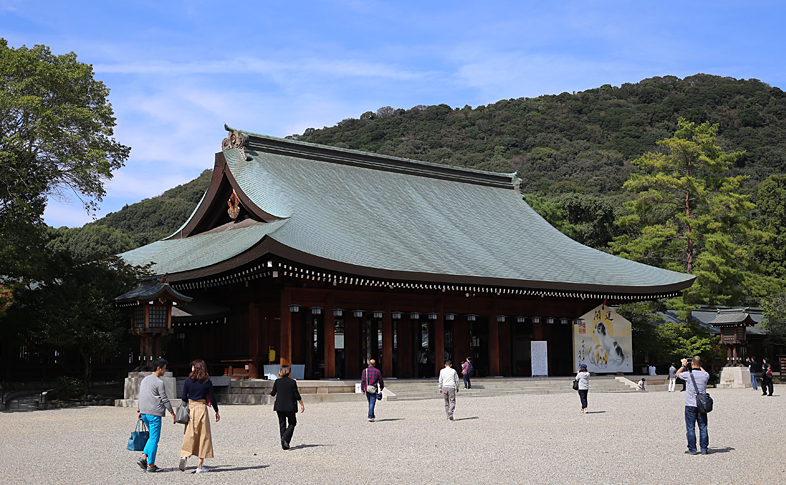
[(333, 257)]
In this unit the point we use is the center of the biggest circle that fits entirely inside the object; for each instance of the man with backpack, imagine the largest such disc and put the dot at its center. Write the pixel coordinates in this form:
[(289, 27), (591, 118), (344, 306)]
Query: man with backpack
[(466, 372)]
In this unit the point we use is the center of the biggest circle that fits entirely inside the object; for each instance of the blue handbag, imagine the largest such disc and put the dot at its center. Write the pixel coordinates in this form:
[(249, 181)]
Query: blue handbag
[(138, 438)]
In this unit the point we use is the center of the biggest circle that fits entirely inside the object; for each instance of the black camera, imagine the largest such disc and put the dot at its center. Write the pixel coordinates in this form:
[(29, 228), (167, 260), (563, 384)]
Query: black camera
[(690, 360)]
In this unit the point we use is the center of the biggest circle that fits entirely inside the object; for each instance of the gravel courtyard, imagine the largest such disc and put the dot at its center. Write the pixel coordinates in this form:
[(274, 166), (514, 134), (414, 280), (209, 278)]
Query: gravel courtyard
[(626, 438)]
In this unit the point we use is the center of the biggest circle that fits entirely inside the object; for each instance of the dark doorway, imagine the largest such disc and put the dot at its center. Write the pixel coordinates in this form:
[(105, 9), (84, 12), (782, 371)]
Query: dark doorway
[(479, 346)]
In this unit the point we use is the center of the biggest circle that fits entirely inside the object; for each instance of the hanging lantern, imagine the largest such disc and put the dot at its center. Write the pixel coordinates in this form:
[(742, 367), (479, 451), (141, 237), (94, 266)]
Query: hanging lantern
[(294, 308)]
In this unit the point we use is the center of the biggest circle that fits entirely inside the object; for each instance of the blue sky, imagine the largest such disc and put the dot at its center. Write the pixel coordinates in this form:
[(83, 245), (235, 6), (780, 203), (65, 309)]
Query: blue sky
[(179, 70)]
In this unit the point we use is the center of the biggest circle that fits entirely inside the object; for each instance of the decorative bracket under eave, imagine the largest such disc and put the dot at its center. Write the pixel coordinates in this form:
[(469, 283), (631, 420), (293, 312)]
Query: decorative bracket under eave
[(234, 205)]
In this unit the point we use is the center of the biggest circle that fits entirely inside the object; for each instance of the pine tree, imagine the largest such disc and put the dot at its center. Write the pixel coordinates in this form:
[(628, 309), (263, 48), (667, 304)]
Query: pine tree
[(687, 216)]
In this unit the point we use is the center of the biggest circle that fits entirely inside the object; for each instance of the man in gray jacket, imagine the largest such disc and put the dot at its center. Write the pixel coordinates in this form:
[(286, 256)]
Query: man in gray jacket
[(448, 387), (152, 406)]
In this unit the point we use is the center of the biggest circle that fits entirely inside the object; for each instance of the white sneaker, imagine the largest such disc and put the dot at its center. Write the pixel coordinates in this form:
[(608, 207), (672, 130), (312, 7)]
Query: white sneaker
[(204, 469)]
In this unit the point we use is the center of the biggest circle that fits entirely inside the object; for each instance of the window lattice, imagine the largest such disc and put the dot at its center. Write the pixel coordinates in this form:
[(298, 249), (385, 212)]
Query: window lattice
[(157, 316)]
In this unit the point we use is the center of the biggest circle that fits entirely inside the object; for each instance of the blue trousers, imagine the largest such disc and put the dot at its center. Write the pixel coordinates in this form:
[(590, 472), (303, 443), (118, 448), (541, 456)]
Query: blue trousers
[(692, 416), (153, 424), (583, 397), (753, 381), (467, 383), (372, 401)]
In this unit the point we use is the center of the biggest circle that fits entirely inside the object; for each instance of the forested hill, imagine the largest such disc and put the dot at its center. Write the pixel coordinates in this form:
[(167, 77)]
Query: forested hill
[(571, 150), (134, 225), (578, 142)]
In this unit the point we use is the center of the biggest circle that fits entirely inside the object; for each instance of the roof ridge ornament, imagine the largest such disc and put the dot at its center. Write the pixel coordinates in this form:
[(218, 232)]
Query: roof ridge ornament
[(235, 139)]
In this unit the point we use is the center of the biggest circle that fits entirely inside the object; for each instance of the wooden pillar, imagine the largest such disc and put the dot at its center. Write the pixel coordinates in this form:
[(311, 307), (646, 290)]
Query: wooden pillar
[(253, 340), (352, 346), (460, 338), (285, 351), (329, 346), (493, 340), (387, 341), (505, 347), (439, 339), (405, 347)]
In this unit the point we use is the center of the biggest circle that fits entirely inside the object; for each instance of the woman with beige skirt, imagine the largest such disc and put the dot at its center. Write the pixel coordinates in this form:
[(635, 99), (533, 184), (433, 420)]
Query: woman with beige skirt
[(197, 440)]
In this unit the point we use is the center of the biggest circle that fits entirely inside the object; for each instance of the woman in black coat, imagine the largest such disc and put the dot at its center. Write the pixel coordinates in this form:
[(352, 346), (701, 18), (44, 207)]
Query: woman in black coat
[(287, 397)]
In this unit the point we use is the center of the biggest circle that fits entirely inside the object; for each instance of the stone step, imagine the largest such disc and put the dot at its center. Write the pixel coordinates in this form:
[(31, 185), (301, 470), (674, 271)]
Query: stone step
[(307, 398)]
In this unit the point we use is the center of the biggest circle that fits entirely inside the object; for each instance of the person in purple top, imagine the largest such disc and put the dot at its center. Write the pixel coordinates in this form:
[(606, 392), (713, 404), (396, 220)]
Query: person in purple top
[(692, 414), (371, 383), (197, 438)]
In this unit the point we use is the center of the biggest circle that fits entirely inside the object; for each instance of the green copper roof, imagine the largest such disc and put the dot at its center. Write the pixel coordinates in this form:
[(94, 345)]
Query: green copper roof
[(400, 216), (175, 255)]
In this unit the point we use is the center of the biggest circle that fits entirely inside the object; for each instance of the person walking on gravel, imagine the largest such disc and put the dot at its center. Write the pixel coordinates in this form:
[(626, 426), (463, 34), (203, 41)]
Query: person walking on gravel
[(371, 383), (287, 399), (466, 372), (151, 407), (582, 376), (672, 377), (448, 387), (766, 376), (692, 414), (752, 368), (198, 439)]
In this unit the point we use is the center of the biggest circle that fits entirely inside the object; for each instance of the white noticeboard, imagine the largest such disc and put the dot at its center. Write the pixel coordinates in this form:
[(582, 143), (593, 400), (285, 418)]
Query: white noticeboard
[(540, 358)]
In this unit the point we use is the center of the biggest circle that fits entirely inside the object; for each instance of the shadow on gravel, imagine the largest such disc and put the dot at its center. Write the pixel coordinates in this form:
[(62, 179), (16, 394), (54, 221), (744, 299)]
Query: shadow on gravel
[(595, 412), (306, 446), (235, 469), (390, 419), (720, 450), (463, 419)]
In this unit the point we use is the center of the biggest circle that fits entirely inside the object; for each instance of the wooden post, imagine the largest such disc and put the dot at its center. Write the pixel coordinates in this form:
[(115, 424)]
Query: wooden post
[(405, 347), (439, 340), (329, 346), (387, 341), (285, 352), (352, 346), (253, 340), (505, 347), (493, 340), (460, 338)]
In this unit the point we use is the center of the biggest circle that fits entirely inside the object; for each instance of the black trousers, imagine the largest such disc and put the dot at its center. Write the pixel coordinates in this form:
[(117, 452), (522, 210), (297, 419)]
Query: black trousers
[(286, 431), (766, 383)]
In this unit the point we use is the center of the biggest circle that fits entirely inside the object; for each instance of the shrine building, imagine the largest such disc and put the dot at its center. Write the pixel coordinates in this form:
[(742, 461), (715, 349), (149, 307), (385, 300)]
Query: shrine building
[(333, 257)]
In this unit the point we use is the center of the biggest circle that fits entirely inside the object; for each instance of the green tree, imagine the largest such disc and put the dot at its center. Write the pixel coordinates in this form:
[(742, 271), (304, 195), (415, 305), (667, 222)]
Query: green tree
[(686, 340), (774, 313), (772, 216), (74, 308), (688, 216), (56, 130)]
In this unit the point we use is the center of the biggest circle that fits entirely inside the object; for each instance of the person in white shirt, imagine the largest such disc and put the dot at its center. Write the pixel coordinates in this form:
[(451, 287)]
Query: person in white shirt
[(691, 372), (448, 387), (641, 384)]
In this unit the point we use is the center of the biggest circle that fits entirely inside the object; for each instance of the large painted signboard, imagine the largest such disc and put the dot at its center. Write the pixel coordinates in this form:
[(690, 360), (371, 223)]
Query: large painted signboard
[(540, 358), (603, 341)]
